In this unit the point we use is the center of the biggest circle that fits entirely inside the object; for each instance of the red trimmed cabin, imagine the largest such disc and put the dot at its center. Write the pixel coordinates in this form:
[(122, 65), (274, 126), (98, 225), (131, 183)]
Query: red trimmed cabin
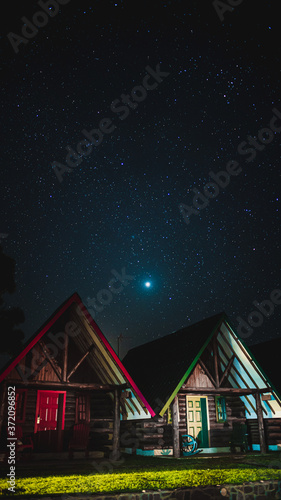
[(68, 374)]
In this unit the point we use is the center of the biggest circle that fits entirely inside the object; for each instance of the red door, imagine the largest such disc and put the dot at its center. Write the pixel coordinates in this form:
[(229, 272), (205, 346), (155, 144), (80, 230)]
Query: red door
[(47, 416), (49, 421)]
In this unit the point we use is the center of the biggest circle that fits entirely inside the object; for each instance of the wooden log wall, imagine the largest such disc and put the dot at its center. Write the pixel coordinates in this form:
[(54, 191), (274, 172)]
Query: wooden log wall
[(272, 428), (101, 411), (220, 432), (101, 433), (34, 367), (157, 434), (146, 434)]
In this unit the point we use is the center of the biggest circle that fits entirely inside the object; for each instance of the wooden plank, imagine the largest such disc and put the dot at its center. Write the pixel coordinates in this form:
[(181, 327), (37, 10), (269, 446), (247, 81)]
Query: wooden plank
[(113, 374), (151, 436), (60, 423), (227, 369), (152, 425), (246, 397), (216, 363), (72, 385), (116, 427), (252, 363), (260, 424), (102, 374), (38, 369), (241, 377), (223, 390), (101, 430), (98, 355), (242, 364), (101, 419), (65, 358), (46, 354), (175, 426), (270, 407), (80, 361), (207, 371), (133, 404)]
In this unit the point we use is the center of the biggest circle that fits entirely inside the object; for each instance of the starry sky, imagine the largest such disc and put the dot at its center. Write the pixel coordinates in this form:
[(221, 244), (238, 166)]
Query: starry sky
[(119, 208)]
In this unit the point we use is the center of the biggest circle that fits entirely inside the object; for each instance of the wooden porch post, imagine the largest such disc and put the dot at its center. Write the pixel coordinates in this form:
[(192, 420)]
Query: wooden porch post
[(65, 359), (216, 360), (59, 428), (260, 423), (116, 426), (175, 423)]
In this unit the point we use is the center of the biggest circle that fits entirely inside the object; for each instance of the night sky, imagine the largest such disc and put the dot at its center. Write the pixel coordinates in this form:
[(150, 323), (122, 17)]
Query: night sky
[(119, 208)]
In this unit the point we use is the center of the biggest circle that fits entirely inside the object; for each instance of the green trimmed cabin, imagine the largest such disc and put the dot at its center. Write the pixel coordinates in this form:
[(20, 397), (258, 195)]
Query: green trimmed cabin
[(203, 381)]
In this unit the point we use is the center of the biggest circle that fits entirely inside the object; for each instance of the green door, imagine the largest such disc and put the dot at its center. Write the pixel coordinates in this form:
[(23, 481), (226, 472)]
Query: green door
[(197, 424)]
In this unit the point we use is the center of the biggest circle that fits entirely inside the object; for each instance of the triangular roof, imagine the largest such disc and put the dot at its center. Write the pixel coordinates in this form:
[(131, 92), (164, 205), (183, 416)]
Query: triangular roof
[(111, 369), (160, 367)]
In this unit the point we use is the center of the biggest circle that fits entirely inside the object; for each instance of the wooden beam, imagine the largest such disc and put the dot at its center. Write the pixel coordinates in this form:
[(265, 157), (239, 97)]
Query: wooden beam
[(45, 352), (114, 374), (116, 427), (231, 375), (65, 358), (100, 371), (207, 371), (270, 407), (227, 370), (260, 424), (242, 364), (175, 425), (79, 362), (240, 376), (240, 345), (70, 385), (60, 423), (216, 361), (222, 390), (99, 355), (124, 410)]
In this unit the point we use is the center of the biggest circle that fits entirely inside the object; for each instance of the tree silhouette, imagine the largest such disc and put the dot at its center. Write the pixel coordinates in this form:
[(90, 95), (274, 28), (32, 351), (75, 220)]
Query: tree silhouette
[(11, 337)]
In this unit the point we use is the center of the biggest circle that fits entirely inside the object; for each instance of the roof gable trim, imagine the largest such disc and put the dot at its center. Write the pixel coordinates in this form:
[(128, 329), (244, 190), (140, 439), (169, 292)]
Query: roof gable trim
[(34, 341), (251, 356), (115, 357), (190, 368), (76, 299)]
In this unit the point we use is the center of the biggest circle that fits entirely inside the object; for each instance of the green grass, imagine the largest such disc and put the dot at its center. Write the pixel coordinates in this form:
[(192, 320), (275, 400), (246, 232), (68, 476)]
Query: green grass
[(137, 474)]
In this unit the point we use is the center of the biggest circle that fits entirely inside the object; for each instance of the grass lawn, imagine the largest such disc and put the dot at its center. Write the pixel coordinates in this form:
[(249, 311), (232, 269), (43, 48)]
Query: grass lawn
[(139, 473)]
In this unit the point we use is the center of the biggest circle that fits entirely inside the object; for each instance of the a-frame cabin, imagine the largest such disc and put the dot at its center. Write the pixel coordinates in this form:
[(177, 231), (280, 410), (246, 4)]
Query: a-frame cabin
[(201, 380), (66, 374)]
